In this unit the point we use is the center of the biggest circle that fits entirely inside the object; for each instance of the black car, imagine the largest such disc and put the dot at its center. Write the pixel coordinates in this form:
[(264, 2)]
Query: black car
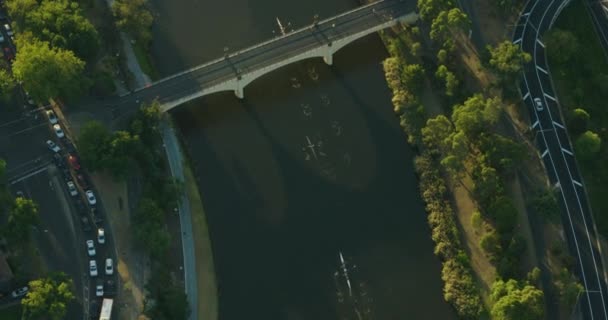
[(58, 159), (86, 225)]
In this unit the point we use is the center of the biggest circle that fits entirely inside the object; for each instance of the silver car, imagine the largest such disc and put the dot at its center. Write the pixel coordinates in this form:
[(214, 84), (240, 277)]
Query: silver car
[(538, 104)]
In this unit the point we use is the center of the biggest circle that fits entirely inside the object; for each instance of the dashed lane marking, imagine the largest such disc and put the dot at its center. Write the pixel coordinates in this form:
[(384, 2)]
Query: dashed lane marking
[(550, 97), (540, 42), (558, 124), (577, 183), (517, 41), (542, 70), (535, 124), (526, 95), (545, 153), (567, 151)]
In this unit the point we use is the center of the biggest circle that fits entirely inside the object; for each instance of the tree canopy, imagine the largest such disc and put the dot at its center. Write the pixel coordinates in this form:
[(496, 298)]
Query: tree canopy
[(7, 85), (562, 45), (508, 59), (21, 218), (588, 144), (47, 72), (134, 18), (48, 297), (446, 23), (578, 121), (149, 228), (476, 114), (516, 301)]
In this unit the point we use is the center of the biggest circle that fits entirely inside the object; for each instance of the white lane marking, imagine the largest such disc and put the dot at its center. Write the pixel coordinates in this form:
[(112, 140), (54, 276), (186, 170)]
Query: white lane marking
[(558, 124), (577, 183), (535, 124), (526, 96), (581, 211), (540, 42), (545, 153), (29, 175), (541, 69), (567, 151), (517, 41), (550, 97)]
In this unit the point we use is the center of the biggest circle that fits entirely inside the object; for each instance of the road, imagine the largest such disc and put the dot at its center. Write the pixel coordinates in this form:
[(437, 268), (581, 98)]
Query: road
[(556, 152), (598, 10)]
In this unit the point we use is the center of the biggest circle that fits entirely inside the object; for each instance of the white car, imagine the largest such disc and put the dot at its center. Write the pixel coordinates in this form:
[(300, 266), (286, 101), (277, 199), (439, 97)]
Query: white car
[(91, 197), (53, 146), (19, 292), (101, 236), (58, 131), (90, 248), (538, 104), (93, 268), (52, 117), (72, 188), (9, 31), (109, 267), (99, 289)]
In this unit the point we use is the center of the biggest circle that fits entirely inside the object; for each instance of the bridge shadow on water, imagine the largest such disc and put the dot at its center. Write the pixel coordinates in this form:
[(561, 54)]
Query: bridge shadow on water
[(276, 242)]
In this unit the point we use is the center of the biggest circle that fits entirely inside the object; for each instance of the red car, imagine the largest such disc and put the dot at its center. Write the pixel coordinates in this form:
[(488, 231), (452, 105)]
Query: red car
[(73, 161)]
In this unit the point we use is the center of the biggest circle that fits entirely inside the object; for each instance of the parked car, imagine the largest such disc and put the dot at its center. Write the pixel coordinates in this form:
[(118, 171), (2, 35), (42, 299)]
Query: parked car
[(101, 236), (8, 54), (52, 117), (93, 268), (52, 146), (19, 292), (9, 31), (58, 160), (91, 197), (99, 288), (109, 267), (73, 161), (58, 131), (86, 225), (90, 248), (82, 181), (72, 188)]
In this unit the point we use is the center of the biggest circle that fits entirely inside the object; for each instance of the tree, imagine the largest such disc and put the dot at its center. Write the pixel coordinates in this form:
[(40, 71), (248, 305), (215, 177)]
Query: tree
[(578, 121), (48, 297), (47, 72), (448, 78), (545, 205), (61, 23), (501, 152), (437, 132), (122, 147), (504, 213), (562, 45), (21, 218), (134, 18), (94, 145), (507, 59), (429, 9), (487, 184), (7, 85), (19, 10), (587, 145), (447, 23), (568, 287), (490, 243), (168, 299), (149, 228), (516, 301), (476, 115), (412, 77)]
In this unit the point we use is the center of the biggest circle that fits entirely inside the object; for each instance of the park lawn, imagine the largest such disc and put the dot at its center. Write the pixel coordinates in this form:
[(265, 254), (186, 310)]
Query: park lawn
[(11, 313), (578, 86)]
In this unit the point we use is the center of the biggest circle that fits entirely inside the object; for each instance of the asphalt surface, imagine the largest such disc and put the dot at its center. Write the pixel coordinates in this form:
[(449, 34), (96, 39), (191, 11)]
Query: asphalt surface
[(556, 152), (263, 55), (598, 10)]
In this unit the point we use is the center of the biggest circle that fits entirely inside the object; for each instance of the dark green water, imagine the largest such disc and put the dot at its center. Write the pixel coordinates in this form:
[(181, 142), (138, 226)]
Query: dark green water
[(312, 163)]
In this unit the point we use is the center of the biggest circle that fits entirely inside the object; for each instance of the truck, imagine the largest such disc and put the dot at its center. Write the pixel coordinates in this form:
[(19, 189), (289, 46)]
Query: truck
[(106, 309)]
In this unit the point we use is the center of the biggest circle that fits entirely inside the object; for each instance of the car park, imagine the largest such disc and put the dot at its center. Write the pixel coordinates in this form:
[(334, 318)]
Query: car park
[(72, 188), (538, 104), (19, 292), (99, 288), (58, 131), (109, 267), (91, 197), (90, 248), (54, 147), (52, 117), (93, 268), (101, 236)]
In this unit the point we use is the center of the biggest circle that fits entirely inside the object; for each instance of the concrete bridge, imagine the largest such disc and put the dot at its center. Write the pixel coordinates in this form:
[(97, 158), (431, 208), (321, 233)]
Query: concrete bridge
[(236, 70)]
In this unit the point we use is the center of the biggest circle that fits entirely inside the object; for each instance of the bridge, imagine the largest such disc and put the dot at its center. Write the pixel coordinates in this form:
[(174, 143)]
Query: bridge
[(236, 70)]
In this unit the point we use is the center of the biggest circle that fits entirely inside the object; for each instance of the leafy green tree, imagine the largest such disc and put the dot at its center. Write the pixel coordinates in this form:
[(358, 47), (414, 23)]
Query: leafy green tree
[(123, 147), (490, 243), (166, 298), (134, 18), (61, 23), (19, 11), (47, 72), (516, 301), (429, 9), (545, 205), (412, 78), (578, 121), (442, 56), (437, 133), (504, 213), (94, 145), (507, 59), (568, 287), (587, 145), (562, 45), (150, 229), (48, 297), (501, 152), (448, 79), (460, 289), (447, 23), (146, 123), (488, 184), (7, 85), (476, 115), (21, 218)]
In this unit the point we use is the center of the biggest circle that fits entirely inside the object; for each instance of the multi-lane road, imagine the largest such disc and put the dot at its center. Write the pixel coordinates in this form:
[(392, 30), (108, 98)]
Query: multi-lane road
[(557, 154)]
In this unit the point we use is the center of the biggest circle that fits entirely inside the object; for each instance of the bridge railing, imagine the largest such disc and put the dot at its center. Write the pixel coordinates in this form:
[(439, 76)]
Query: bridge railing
[(381, 5)]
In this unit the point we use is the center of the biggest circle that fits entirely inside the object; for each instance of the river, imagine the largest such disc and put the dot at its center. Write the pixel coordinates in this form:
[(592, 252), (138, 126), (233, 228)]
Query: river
[(312, 166)]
